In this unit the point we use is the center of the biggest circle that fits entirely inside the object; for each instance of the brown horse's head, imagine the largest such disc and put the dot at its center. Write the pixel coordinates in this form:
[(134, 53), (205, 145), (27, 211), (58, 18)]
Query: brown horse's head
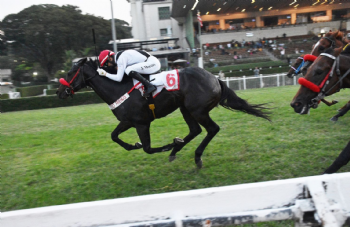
[(73, 82), (317, 82), (295, 68), (331, 39)]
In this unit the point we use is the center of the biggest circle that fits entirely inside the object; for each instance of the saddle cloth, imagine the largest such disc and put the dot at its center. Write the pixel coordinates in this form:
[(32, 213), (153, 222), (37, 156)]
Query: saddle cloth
[(167, 79)]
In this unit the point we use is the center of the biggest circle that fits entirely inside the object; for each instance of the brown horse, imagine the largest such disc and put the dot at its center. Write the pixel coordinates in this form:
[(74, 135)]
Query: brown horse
[(327, 75)]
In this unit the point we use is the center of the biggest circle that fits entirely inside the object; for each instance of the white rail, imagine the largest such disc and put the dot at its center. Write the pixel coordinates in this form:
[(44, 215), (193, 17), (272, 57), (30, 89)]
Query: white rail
[(261, 81), (318, 200)]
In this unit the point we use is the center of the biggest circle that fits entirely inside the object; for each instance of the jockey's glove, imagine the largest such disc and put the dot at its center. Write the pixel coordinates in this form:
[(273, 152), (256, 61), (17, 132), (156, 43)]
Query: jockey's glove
[(101, 72)]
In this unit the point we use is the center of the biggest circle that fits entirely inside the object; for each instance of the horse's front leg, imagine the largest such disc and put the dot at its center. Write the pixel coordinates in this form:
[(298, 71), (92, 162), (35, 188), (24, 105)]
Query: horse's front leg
[(329, 103), (342, 111), (143, 132), (122, 127), (342, 160)]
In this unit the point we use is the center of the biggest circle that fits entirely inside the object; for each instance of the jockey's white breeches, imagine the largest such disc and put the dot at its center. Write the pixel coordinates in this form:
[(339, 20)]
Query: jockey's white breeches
[(151, 65)]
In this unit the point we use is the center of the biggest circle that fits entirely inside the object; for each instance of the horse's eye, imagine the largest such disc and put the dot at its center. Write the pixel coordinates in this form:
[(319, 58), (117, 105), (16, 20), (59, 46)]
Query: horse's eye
[(319, 71)]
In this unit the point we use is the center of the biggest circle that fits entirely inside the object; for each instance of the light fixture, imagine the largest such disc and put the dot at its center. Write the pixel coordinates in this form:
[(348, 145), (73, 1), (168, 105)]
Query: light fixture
[(184, 6), (207, 13), (270, 8), (35, 73), (296, 6), (219, 9), (293, 2), (243, 10), (324, 2), (331, 2), (261, 9), (224, 3), (253, 1), (195, 4), (316, 2)]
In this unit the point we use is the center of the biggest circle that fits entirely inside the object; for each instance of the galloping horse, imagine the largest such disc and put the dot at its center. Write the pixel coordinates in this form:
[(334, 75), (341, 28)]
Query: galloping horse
[(199, 93), (331, 39), (327, 75)]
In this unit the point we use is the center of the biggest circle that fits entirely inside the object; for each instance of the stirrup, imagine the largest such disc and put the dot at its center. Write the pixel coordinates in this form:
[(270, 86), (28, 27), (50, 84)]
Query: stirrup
[(149, 91)]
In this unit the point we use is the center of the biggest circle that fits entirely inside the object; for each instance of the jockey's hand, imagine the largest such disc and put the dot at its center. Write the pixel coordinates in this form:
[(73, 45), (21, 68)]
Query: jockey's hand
[(101, 72)]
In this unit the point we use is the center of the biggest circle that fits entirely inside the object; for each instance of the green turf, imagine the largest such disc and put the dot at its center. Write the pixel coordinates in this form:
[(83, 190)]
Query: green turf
[(65, 155)]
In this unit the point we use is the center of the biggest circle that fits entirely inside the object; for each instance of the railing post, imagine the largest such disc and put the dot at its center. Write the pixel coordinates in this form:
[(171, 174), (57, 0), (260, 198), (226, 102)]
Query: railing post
[(278, 80), (227, 82), (244, 83), (261, 81), (294, 80)]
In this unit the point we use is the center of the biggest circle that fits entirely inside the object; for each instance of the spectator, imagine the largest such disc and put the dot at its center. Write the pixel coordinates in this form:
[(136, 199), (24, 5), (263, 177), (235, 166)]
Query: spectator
[(221, 75), (256, 71), (283, 51), (296, 50)]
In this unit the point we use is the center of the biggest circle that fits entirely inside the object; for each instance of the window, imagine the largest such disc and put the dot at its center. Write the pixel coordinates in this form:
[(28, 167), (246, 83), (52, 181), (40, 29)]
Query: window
[(164, 13), (163, 32)]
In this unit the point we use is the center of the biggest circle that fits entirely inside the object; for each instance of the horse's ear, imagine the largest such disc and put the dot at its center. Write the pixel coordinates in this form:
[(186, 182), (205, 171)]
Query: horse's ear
[(337, 51), (339, 35), (82, 62)]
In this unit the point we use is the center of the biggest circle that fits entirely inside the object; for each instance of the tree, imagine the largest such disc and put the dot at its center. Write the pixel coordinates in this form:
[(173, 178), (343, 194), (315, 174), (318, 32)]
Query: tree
[(44, 32)]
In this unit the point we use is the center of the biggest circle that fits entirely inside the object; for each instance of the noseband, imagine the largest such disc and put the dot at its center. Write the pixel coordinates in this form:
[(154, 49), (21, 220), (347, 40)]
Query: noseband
[(297, 70)]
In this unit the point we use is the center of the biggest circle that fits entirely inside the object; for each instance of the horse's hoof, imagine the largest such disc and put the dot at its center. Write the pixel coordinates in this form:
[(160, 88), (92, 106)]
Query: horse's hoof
[(334, 119), (138, 145), (199, 164), (172, 158), (178, 140)]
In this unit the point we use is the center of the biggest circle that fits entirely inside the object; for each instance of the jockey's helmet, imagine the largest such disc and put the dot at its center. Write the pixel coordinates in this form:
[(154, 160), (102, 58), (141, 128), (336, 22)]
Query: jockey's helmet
[(103, 57)]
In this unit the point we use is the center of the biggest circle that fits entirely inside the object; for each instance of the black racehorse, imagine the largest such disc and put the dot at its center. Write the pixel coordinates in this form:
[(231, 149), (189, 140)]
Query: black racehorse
[(327, 75), (199, 93)]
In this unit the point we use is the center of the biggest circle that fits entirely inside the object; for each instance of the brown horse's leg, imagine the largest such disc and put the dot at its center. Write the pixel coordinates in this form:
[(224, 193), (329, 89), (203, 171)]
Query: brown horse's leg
[(194, 128), (143, 132), (342, 111), (122, 127), (342, 160), (329, 103), (212, 129)]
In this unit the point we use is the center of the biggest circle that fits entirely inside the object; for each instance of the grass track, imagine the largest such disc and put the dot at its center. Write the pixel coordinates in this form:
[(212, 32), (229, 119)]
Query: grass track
[(65, 155)]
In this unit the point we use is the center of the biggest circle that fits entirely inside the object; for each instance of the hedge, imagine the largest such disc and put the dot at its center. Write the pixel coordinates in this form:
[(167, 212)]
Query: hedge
[(50, 101), (4, 96), (31, 91)]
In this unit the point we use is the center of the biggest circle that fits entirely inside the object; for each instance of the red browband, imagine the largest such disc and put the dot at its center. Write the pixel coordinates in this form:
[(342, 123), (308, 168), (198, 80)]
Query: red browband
[(309, 57)]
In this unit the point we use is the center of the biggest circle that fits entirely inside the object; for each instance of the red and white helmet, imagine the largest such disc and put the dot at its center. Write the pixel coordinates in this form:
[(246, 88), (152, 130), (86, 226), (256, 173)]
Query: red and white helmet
[(104, 55)]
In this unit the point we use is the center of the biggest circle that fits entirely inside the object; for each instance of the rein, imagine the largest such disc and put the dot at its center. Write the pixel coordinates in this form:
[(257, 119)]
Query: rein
[(297, 70)]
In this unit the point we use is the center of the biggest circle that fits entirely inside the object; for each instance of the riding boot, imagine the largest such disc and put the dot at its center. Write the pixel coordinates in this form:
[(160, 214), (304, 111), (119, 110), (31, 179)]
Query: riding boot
[(149, 88)]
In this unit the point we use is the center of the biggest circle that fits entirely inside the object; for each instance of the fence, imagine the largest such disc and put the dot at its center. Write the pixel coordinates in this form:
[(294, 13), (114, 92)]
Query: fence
[(310, 201), (274, 80)]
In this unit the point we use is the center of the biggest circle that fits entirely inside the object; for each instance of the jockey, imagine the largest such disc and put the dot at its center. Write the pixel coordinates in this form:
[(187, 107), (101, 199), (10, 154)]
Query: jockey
[(131, 62)]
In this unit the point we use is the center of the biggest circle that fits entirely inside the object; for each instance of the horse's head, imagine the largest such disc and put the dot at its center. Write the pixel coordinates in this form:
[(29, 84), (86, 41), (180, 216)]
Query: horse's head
[(295, 68), (329, 40), (318, 82), (75, 79)]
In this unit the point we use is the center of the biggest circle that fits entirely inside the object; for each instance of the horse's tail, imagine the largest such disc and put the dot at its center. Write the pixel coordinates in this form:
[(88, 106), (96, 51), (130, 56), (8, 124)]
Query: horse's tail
[(231, 101)]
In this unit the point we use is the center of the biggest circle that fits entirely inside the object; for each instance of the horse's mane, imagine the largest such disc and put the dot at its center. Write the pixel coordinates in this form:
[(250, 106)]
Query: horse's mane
[(93, 64)]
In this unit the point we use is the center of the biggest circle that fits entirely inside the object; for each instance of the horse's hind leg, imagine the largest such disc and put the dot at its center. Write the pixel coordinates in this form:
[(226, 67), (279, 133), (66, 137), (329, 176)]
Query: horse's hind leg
[(194, 128), (143, 132), (122, 127), (212, 129)]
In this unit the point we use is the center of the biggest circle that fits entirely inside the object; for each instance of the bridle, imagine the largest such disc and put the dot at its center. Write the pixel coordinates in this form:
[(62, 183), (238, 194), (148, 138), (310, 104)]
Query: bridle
[(297, 70), (321, 89), (69, 88)]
